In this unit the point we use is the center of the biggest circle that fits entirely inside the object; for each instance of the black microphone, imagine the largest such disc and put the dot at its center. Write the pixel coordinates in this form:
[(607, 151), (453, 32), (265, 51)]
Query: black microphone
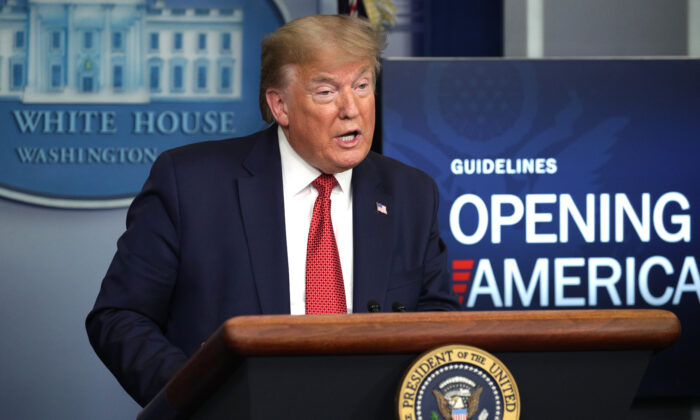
[(373, 306), (398, 307)]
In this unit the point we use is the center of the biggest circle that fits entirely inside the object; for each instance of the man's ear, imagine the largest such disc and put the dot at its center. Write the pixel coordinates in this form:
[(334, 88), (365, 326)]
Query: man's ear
[(276, 101)]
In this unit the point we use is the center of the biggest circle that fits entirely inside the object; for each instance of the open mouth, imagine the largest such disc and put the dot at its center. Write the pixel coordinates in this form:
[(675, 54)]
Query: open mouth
[(349, 136)]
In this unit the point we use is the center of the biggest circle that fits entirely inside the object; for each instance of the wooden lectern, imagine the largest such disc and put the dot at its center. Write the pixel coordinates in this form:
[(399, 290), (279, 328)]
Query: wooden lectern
[(572, 364)]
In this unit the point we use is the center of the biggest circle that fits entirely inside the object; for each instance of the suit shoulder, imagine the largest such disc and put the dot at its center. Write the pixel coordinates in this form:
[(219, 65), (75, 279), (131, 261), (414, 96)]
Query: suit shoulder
[(215, 156)]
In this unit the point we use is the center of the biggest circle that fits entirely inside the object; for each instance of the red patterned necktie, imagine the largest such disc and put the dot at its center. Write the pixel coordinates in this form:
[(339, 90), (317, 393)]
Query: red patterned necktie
[(325, 292)]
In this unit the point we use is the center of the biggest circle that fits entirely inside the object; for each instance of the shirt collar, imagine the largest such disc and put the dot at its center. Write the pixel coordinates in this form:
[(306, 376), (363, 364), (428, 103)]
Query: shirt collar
[(297, 174)]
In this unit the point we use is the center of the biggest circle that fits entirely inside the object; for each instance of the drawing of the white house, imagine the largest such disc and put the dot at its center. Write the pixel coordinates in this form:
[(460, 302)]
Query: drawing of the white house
[(118, 51)]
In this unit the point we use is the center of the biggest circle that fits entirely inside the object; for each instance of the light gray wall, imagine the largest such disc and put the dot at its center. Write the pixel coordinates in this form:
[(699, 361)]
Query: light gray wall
[(515, 28), (575, 28), (51, 263), (615, 27)]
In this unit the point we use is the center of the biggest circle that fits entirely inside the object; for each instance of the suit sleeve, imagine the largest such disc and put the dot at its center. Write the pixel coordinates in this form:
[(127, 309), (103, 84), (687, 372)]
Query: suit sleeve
[(126, 326), (436, 293)]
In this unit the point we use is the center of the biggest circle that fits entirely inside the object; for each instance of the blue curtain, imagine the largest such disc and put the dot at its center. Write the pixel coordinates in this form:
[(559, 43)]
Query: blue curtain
[(462, 28)]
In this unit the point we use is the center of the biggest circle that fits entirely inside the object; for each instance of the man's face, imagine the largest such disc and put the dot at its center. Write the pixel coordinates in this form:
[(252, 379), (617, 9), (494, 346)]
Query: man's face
[(327, 112)]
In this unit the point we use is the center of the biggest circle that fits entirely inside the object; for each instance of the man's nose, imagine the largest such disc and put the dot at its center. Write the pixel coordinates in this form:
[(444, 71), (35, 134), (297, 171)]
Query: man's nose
[(347, 104)]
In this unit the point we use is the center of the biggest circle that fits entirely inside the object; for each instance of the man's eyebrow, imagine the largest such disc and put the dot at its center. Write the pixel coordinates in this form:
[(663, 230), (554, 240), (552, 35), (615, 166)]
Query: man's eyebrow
[(333, 81)]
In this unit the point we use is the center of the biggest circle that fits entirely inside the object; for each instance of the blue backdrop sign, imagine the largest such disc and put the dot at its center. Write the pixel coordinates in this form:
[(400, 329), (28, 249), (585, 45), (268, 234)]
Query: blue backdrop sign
[(92, 92), (564, 184)]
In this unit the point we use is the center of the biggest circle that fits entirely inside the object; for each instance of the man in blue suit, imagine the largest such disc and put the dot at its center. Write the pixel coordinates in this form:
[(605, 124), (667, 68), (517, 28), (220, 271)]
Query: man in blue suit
[(220, 228)]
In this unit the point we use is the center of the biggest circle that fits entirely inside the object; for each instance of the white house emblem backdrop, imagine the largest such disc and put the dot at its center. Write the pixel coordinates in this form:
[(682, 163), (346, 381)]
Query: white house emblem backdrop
[(92, 92)]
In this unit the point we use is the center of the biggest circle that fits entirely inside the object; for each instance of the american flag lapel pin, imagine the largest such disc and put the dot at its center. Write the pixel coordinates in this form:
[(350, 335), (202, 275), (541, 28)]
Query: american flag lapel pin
[(381, 208)]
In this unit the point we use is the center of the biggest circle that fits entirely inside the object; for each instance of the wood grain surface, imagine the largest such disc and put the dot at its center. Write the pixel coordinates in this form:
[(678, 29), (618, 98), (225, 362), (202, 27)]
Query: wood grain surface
[(553, 330)]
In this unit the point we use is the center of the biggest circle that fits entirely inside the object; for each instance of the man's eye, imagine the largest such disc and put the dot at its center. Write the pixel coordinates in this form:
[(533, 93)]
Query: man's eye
[(363, 86), (324, 92)]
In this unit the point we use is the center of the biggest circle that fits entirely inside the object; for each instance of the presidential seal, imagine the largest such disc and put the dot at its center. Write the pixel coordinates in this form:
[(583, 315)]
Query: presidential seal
[(458, 382)]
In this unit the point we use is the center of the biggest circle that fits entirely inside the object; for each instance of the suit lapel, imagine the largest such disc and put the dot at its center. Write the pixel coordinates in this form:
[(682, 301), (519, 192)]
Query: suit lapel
[(262, 208), (373, 235)]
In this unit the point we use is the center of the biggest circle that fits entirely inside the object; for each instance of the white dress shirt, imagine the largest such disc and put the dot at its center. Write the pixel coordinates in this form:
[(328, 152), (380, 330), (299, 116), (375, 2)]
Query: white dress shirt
[(299, 198)]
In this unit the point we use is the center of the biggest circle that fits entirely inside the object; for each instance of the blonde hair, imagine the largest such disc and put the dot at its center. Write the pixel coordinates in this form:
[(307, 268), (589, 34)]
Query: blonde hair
[(304, 40)]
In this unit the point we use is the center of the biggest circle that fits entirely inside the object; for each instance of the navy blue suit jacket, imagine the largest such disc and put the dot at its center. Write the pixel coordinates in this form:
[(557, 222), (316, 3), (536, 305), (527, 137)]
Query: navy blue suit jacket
[(205, 241)]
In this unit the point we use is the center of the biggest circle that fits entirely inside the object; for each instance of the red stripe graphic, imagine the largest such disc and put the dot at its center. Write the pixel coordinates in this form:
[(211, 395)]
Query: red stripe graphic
[(459, 288), (461, 273), (461, 276), (462, 264)]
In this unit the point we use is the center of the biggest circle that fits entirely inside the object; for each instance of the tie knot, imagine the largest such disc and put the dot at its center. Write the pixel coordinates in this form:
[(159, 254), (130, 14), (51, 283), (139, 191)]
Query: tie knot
[(324, 184)]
